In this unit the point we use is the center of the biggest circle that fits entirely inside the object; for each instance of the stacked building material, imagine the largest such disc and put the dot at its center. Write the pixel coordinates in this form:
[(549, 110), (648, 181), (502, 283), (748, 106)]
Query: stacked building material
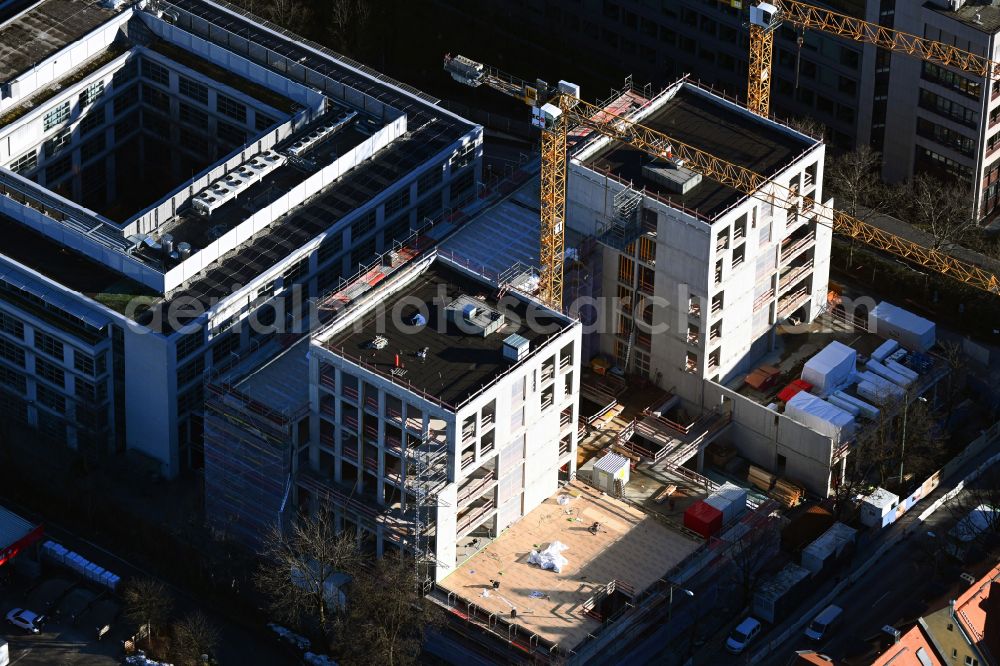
[(786, 492), (761, 478)]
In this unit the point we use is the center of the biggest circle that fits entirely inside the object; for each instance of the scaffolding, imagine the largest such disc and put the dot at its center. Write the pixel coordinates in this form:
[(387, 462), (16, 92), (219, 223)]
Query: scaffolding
[(426, 475), (248, 462), (622, 226)]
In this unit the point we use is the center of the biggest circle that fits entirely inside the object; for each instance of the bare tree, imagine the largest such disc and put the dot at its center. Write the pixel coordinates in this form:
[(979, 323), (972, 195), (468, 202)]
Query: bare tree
[(292, 15), (386, 616), (983, 532), (944, 209), (808, 126), (147, 601), (195, 635), (296, 570), (750, 553), (854, 181), (348, 21), (906, 437)]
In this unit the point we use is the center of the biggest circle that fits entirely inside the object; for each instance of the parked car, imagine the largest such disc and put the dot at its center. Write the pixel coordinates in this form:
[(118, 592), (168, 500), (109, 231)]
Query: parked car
[(25, 619), (744, 633), (820, 626)]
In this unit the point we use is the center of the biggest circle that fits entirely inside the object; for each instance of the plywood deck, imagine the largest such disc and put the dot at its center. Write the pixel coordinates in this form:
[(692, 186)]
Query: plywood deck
[(631, 547)]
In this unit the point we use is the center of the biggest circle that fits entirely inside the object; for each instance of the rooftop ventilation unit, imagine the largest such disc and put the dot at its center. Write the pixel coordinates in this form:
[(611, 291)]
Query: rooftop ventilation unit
[(515, 348), (320, 134), (229, 186), (473, 316)]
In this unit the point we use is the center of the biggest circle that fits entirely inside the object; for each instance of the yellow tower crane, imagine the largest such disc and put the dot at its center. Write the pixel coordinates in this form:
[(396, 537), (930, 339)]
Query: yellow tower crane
[(766, 17), (557, 108)]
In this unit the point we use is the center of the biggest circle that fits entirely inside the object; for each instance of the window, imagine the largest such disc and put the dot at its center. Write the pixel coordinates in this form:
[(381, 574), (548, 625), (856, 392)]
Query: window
[(50, 398), (230, 107), (83, 362), (262, 122), (428, 181), (331, 247), (361, 227), (11, 325), (192, 89), (47, 344), (941, 76), (85, 390), (156, 98), (56, 116), (50, 372), (126, 100), (13, 379), (25, 163), (92, 120), (945, 136), (949, 109), (970, 661), (397, 202), (11, 352), (193, 116), (155, 72), (92, 148), (58, 169), (92, 93), (57, 142), (191, 140), (189, 344), (230, 134), (125, 74), (193, 370)]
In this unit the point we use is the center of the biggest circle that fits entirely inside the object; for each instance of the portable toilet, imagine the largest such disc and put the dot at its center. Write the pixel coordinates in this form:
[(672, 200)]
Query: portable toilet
[(610, 470)]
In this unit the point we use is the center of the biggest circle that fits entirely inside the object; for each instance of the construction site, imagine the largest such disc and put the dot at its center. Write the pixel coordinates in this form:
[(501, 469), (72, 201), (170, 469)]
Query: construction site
[(636, 403)]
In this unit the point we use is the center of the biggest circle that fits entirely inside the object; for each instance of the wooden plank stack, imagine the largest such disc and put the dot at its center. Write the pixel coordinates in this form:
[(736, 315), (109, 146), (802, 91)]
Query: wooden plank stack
[(761, 479), (787, 492)]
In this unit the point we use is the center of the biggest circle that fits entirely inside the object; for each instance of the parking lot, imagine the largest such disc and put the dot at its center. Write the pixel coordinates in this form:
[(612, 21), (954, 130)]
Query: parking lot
[(75, 610)]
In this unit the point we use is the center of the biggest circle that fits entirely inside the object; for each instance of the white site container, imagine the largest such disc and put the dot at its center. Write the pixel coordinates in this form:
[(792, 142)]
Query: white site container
[(895, 323), (821, 416), (730, 500), (879, 508), (831, 368)]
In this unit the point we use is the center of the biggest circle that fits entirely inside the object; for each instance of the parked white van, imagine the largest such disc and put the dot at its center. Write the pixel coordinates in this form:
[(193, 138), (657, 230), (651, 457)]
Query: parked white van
[(820, 626)]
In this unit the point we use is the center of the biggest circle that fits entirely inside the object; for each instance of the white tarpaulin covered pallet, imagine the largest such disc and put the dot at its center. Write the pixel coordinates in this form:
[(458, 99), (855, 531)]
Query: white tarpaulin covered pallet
[(821, 416)]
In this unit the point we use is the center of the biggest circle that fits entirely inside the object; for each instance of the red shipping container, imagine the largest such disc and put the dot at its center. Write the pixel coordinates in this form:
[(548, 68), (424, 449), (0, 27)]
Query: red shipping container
[(703, 518), (792, 389)]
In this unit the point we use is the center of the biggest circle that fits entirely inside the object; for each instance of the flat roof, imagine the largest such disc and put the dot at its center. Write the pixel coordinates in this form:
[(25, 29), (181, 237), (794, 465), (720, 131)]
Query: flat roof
[(457, 364), (979, 16), (429, 131), (704, 121), (631, 547), (68, 267), (200, 230), (45, 29), (282, 382)]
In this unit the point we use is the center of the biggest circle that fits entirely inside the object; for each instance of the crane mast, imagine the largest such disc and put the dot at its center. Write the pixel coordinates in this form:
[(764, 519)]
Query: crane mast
[(766, 17), (557, 108)]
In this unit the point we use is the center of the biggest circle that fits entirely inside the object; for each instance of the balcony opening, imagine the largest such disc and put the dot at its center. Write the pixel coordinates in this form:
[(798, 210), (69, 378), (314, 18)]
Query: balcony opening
[(693, 334), (487, 443), (393, 437), (694, 306), (568, 384), (691, 364), (566, 357), (393, 407), (349, 386), (714, 359), (548, 397), (717, 303), (349, 475), (739, 255), (488, 416), (718, 272), (469, 429), (548, 369), (414, 419), (715, 334)]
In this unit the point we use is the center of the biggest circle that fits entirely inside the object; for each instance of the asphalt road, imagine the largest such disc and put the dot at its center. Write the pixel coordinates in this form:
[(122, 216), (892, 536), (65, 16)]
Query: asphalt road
[(897, 589)]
